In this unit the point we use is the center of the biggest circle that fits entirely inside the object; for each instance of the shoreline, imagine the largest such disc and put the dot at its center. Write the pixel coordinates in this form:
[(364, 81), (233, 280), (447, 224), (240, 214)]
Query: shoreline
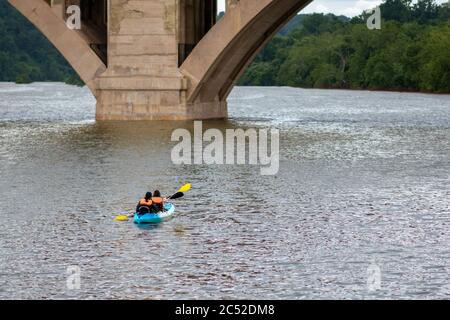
[(291, 87), (349, 89)]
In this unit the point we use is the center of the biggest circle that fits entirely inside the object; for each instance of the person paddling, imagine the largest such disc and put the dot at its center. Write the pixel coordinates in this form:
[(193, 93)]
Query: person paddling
[(145, 204), (154, 203), (158, 202)]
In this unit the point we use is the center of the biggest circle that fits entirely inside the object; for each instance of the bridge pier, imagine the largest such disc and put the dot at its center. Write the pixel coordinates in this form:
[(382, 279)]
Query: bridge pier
[(154, 105), (147, 41), (160, 59)]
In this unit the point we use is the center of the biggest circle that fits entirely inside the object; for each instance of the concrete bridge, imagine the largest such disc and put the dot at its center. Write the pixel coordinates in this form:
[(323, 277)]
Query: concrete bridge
[(160, 59)]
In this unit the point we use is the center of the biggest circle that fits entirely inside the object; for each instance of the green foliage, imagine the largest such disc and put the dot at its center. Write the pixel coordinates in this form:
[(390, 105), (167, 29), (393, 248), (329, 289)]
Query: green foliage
[(25, 54), (411, 51), (435, 71)]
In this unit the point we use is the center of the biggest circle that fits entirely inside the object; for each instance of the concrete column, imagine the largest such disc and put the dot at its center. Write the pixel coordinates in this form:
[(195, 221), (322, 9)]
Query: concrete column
[(142, 81)]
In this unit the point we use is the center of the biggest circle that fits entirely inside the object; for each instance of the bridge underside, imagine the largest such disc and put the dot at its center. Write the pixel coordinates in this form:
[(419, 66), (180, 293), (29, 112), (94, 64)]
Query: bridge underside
[(160, 59)]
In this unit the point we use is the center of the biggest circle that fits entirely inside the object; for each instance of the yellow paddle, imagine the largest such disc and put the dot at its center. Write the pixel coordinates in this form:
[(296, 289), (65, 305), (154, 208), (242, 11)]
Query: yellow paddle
[(183, 189), (121, 218)]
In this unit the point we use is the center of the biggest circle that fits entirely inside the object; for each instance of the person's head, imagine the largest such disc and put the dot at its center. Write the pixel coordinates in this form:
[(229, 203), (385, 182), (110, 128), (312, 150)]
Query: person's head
[(148, 196), (157, 193)]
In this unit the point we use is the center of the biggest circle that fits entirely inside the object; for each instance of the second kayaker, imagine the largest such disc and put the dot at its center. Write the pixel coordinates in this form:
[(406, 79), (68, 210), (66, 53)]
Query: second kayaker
[(145, 205), (158, 202)]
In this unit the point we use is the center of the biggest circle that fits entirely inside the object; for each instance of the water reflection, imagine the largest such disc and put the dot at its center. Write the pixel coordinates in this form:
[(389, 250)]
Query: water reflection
[(363, 179)]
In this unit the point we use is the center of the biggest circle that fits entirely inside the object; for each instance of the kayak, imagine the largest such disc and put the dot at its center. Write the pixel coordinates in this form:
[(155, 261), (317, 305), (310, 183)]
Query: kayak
[(154, 218)]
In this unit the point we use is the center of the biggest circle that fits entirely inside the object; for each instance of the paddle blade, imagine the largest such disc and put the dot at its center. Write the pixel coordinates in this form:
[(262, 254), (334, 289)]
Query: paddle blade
[(121, 218), (185, 188), (177, 195)]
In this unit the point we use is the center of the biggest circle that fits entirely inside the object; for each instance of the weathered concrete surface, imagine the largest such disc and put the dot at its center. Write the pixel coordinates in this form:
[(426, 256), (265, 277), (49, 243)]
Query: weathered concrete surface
[(138, 84), (230, 46), (146, 41), (143, 81)]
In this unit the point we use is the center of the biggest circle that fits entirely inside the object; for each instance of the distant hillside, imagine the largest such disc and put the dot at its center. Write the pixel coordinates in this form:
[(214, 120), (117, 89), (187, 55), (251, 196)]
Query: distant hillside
[(294, 23), (411, 52), (26, 55), (298, 19)]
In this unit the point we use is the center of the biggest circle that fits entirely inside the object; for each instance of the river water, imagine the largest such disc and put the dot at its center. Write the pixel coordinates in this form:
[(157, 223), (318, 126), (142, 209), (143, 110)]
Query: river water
[(362, 197)]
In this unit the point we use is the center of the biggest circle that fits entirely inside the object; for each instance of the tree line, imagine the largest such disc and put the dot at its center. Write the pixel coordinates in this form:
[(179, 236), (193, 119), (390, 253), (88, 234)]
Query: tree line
[(26, 55), (411, 52)]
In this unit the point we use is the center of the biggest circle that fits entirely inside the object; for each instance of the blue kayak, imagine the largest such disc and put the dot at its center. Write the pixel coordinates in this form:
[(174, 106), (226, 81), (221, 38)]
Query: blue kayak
[(154, 218)]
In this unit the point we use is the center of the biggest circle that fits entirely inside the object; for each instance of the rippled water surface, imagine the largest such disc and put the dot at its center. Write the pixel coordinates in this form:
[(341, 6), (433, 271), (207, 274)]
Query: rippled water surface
[(363, 181)]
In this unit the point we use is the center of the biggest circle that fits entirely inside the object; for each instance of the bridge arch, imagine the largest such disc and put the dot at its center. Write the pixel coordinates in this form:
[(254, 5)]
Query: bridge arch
[(229, 47), (132, 65), (71, 44)]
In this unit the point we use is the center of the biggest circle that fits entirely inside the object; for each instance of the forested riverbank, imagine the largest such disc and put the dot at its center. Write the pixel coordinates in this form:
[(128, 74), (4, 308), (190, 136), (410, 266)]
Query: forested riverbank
[(411, 52), (26, 55)]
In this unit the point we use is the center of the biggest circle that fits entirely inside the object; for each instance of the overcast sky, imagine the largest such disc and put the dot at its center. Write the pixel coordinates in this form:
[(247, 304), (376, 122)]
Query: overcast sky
[(348, 8)]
